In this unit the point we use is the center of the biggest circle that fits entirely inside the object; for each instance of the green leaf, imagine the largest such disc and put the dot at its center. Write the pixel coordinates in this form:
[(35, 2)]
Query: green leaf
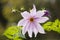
[(13, 33), (47, 26), (54, 26)]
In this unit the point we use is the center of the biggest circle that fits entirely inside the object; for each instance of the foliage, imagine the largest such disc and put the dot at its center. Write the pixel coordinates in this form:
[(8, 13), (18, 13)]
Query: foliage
[(14, 33), (52, 26)]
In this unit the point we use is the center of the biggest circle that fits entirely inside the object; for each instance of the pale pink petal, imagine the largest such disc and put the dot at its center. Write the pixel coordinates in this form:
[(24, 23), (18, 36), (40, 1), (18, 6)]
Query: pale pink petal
[(39, 28), (25, 28), (40, 13), (22, 22), (25, 14), (33, 11), (30, 30), (35, 31), (44, 10), (41, 19)]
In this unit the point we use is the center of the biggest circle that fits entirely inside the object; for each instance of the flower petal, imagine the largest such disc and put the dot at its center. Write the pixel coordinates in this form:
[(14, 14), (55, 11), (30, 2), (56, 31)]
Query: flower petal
[(40, 13), (33, 11), (22, 22), (40, 29), (25, 28), (41, 19), (30, 30), (35, 31), (25, 14)]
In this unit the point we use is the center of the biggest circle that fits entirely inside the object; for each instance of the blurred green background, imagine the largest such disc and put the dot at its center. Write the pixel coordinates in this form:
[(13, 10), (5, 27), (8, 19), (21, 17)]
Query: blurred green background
[(8, 17)]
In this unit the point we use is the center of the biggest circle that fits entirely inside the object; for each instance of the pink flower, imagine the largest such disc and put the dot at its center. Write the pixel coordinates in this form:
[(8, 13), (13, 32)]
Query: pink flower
[(31, 20)]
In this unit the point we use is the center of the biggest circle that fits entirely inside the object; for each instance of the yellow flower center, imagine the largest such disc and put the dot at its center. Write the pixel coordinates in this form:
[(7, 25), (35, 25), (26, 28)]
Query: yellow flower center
[(31, 19)]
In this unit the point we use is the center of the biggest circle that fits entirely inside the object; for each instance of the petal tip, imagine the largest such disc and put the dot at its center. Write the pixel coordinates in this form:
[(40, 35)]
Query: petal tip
[(43, 32)]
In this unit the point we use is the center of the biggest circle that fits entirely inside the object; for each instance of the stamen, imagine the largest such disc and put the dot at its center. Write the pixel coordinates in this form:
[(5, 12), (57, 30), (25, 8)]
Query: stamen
[(31, 19)]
